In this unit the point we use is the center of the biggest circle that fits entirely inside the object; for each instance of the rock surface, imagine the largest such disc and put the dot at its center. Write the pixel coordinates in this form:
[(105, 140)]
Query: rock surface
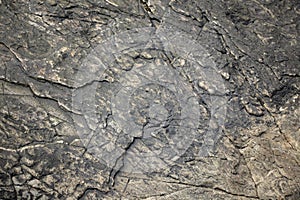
[(150, 99)]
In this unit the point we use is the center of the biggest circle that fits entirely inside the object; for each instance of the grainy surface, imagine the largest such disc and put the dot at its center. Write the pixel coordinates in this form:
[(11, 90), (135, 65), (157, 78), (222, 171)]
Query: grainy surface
[(149, 99)]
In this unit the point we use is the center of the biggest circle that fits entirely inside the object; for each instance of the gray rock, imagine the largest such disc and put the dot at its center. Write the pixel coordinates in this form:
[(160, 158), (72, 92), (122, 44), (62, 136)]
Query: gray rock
[(149, 99)]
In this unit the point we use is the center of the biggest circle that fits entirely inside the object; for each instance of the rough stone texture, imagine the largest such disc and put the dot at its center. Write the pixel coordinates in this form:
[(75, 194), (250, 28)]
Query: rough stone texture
[(66, 136)]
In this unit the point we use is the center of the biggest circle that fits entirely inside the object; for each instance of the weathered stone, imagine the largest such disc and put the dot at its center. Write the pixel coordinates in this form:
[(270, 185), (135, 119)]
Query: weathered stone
[(160, 99)]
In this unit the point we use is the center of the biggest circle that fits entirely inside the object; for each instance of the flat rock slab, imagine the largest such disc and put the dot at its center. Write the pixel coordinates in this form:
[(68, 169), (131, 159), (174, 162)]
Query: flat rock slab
[(145, 99)]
